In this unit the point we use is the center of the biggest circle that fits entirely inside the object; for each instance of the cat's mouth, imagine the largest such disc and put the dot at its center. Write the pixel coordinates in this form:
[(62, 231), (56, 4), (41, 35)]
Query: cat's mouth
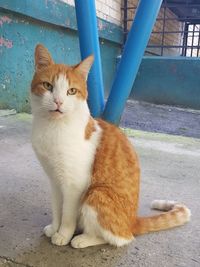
[(56, 110)]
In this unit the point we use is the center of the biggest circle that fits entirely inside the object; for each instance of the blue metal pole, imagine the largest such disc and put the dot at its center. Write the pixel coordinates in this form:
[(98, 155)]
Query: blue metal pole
[(136, 43), (89, 44)]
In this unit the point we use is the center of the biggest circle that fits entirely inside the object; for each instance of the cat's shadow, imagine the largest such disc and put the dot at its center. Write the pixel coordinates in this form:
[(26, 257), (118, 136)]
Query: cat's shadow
[(42, 253), (33, 248)]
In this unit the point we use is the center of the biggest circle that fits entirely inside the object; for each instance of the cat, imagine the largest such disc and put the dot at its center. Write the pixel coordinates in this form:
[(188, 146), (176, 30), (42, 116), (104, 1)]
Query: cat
[(93, 169)]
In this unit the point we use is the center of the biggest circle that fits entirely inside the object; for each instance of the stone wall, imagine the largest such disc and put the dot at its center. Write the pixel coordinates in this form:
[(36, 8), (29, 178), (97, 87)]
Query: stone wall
[(110, 10), (156, 38)]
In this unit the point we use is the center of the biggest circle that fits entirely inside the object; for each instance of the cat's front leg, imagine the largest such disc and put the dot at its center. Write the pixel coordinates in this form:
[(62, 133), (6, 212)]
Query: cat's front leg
[(71, 198), (56, 195)]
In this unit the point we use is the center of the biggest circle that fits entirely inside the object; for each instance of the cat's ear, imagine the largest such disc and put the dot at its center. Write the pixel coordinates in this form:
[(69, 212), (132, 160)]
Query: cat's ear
[(42, 57), (84, 66)]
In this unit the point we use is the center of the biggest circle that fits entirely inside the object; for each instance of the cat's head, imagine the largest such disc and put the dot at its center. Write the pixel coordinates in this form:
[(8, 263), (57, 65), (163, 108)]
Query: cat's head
[(57, 90)]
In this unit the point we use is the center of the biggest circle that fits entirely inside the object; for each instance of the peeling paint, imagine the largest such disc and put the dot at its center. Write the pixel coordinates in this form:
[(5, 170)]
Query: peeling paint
[(104, 26), (6, 43), (17, 63), (68, 22), (101, 26), (7, 79), (4, 19), (46, 3)]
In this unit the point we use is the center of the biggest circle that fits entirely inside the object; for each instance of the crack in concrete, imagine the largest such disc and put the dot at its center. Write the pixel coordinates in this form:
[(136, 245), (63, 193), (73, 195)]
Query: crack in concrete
[(7, 259)]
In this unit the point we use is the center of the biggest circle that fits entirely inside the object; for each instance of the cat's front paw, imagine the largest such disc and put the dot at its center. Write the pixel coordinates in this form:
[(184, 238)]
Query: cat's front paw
[(59, 240), (49, 230), (80, 241)]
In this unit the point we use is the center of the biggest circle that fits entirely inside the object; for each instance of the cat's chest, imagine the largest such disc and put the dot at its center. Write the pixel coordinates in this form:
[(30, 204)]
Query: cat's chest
[(63, 151), (50, 141)]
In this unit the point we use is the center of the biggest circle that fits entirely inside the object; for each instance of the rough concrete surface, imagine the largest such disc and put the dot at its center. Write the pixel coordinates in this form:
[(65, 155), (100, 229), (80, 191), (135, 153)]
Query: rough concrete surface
[(170, 170), (161, 118)]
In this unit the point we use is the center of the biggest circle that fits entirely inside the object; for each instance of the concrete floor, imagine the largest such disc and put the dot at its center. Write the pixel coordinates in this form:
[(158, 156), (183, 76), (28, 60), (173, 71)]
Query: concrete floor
[(170, 170), (161, 119)]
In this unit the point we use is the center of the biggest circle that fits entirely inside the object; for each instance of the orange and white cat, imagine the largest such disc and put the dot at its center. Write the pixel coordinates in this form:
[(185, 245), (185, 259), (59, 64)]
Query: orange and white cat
[(93, 169)]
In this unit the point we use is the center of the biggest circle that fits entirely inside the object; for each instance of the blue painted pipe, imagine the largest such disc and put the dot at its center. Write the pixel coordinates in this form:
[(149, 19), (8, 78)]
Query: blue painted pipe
[(89, 44), (134, 49)]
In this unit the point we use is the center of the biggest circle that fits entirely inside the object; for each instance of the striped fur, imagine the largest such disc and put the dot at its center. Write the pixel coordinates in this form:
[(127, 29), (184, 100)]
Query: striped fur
[(175, 215)]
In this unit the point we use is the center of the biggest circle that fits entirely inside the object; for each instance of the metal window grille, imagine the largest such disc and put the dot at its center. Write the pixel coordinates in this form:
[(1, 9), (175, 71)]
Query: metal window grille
[(177, 29)]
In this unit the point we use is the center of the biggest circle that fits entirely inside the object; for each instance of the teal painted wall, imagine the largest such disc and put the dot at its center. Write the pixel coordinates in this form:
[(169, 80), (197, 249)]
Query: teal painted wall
[(17, 70), (170, 81), (44, 23), (23, 24)]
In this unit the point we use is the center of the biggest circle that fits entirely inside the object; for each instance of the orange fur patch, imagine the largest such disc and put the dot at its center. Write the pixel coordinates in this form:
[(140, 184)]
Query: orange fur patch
[(114, 189), (115, 182), (51, 73), (90, 128), (48, 71), (76, 81), (178, 215)]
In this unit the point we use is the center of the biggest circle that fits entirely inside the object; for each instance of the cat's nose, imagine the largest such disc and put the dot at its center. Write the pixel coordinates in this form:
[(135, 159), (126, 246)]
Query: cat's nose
[(58, 102)]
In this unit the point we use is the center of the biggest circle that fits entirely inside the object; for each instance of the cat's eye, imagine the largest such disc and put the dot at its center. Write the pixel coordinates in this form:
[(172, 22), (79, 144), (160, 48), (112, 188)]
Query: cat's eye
[(48, 86), (71, 91)]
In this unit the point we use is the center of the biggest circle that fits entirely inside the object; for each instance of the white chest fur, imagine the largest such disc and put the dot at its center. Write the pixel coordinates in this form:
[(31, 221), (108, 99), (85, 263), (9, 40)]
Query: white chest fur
[(65, 154)]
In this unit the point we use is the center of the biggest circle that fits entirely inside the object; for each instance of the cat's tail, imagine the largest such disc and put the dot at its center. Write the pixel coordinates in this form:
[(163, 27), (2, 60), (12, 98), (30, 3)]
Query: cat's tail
[(175, 214)]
